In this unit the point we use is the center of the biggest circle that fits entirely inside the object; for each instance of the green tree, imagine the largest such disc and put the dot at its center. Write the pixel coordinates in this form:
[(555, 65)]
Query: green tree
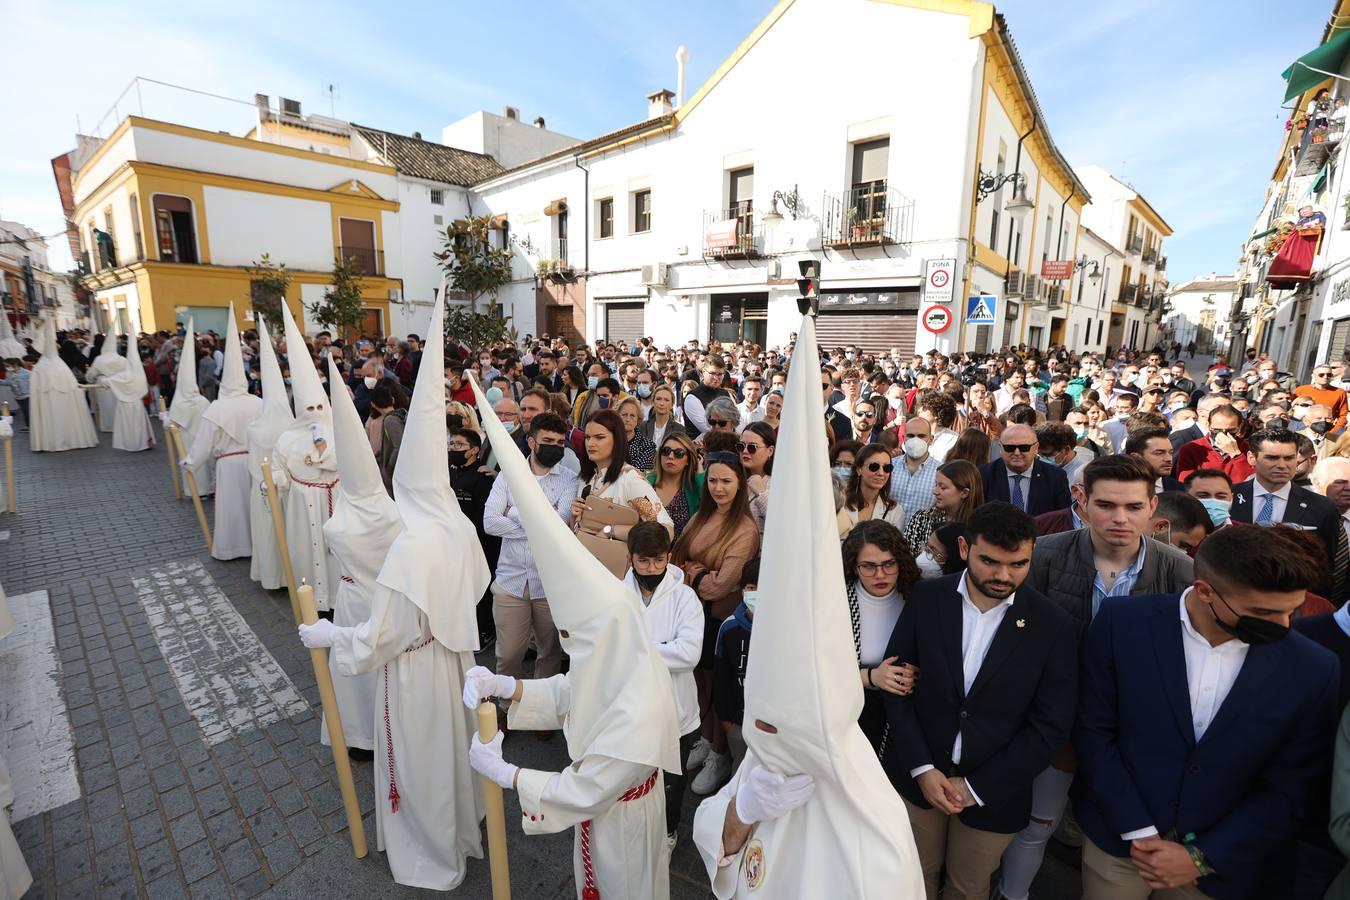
[(268, 285), (476, 267), (341, 304)]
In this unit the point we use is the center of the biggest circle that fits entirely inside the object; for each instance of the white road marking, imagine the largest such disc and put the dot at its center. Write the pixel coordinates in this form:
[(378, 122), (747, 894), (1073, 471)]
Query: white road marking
[(35, 736), (228, 679)]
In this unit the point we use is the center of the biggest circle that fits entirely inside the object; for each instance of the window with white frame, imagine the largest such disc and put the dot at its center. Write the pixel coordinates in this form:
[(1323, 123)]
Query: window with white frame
[(642, 211)]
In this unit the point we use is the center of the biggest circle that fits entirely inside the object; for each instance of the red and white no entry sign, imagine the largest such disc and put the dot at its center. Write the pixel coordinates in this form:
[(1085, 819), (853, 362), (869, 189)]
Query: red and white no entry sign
[(937, 319)]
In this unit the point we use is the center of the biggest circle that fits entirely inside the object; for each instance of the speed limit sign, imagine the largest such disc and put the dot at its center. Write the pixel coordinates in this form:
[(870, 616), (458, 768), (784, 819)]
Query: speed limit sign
[(937, 319)]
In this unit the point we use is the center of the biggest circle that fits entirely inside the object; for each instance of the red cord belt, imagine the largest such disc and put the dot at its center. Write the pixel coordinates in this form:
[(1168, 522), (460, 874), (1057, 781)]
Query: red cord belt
[(590, 891), (389, 732), (326, 485), (235, 453)]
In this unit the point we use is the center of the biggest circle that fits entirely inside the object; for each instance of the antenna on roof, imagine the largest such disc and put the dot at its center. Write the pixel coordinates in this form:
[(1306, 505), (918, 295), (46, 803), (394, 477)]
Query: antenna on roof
[(333, 91)]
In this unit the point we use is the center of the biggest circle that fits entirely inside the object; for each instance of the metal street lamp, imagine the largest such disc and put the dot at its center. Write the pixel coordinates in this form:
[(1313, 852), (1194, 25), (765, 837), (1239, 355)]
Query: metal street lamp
[(792, 202)]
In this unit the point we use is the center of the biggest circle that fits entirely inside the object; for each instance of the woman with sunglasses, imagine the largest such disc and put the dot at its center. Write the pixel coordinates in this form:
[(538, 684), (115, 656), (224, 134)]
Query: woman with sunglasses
[(868, 495), (756, 448), (677, 480), (641, 450), (958, 490), (879, 571), (716, 544)]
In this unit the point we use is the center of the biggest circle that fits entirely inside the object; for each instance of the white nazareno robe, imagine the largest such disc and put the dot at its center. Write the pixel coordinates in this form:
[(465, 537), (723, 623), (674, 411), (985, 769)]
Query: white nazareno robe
[(310, 482), (421, 755), (355, 693), (628, 852), (104, 366), (231, 537), (15, 878)]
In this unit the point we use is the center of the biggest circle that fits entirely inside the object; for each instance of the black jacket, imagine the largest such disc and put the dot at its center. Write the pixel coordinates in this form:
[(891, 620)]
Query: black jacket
[(1305, 510), (1016, 716), (1047, 488)]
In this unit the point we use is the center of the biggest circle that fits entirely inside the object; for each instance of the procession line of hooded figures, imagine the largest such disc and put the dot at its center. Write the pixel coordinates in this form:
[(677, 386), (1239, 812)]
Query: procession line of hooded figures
[(810, 812)]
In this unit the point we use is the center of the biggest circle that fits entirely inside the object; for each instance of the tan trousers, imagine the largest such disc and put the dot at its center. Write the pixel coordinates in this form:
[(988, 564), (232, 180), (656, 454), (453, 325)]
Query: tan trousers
[(516, 619), (970, 855), (1107, 877)]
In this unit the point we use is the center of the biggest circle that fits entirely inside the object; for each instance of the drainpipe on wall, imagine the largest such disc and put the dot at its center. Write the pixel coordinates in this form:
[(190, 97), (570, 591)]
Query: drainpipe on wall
[(1017, 169)]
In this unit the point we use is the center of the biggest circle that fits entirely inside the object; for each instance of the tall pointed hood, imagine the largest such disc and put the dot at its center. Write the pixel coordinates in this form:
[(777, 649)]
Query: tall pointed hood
[(311, 403), (436, 562), (276, 415), (130, 385), (365, 519), (232, 380), (623, 701), (10, 348), (51, 374), (109, 348), (188, 403)]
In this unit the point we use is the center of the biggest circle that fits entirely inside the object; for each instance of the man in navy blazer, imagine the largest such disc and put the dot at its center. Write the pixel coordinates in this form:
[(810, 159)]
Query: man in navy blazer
[(1205, 726), (996, 701), (1042, 487)]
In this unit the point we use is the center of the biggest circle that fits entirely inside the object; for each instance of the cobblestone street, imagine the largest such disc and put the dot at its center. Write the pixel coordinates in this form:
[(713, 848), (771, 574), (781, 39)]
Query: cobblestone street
[(161, 719)]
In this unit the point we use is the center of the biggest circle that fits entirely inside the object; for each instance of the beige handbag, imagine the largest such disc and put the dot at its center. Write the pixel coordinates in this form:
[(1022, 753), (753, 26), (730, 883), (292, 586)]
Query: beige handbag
[(590, 530)]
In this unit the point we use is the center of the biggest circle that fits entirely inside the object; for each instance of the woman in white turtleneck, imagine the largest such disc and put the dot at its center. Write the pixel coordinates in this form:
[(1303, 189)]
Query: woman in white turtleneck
[(879, 569)]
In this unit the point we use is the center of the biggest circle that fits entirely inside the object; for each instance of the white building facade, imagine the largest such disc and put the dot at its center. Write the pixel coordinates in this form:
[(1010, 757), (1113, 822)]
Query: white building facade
[(1199, 311), (29, 289)]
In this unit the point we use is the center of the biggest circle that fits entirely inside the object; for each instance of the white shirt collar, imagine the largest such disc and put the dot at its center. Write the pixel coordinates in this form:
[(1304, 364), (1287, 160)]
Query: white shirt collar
[(1282, 493), (964, 590), (1190, 630)]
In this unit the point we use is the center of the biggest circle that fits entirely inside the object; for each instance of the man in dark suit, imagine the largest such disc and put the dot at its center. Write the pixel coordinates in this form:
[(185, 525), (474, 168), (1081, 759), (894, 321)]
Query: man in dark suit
[(839, 422), (1270, 497), (1000, 671), (1204, 726), (1023, 480), (1151, 446)]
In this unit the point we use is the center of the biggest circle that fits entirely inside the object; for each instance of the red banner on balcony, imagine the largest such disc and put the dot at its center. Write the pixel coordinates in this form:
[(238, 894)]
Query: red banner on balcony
[(1293, 264), (722, 235), (1057, 269)]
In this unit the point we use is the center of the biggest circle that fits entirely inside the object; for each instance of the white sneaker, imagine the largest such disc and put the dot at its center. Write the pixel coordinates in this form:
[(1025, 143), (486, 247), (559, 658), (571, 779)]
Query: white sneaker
[(671, 840), (715, 772), (698, 754)]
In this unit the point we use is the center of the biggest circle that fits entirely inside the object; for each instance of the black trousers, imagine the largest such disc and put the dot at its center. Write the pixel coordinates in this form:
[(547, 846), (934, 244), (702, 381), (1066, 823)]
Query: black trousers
[(675, 784)]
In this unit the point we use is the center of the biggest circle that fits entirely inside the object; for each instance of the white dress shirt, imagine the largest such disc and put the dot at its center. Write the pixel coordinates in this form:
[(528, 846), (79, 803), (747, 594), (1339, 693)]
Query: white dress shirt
[(1210, 674), (1281, 496), (977, 634)]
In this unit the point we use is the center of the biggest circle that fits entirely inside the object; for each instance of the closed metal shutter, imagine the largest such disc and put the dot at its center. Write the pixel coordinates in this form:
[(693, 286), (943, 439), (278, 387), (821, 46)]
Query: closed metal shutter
[(1340, 340), (982, 338), (871, 332), (624, 322)]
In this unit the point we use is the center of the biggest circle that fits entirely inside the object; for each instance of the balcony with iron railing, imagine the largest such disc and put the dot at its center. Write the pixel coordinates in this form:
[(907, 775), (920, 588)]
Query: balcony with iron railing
[(1161, 264), (1128, 293), (556, 263), (867, 215), (1136, 244), (363, 259), (732, 233), (1150, 255)]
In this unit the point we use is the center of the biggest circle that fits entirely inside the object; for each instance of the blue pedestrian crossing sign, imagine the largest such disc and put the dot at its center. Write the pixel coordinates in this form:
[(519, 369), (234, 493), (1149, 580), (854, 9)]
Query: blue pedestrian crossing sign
[(980, 309)]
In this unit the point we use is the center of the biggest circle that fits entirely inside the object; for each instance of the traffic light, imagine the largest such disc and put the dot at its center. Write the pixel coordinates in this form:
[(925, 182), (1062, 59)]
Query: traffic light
[(808, 286)]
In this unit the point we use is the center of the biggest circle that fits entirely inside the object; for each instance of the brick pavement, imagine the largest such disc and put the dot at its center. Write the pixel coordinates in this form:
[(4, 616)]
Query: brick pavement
[(190, 786)]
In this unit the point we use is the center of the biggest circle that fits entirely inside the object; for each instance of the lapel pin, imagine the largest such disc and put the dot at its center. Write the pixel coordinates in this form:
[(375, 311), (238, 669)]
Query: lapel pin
[(1021, 623)]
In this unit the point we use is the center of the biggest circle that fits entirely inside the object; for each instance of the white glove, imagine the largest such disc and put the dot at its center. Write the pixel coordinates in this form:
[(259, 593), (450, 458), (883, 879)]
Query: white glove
[(768, 795), (164, 418), (486, 760), (6, 420), (320, 634), (480, 684)]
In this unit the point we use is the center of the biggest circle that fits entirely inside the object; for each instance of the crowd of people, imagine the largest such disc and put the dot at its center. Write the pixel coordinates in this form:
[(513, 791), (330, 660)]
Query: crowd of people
[(1052, 601)]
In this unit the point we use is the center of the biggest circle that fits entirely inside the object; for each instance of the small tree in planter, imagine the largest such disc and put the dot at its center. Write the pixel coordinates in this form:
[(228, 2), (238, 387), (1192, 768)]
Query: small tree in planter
[(341, 306), (477, 268), (267, 291)]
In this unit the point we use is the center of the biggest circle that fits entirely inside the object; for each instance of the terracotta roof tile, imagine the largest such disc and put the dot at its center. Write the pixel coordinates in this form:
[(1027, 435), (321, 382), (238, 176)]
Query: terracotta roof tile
[(429, 160)]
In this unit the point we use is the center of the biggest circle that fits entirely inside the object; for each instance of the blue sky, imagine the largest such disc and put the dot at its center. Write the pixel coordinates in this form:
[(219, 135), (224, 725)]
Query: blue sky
[(1182, 99)]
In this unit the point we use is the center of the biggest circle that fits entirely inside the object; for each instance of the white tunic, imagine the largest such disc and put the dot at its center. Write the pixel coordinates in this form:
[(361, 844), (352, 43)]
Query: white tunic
[(628, 852), (424, 730), (15, 878), (355, 693), (99, 370), (265, 566), (60, 413), (186, 413), (311, 489), (231, 537), (131, 426)]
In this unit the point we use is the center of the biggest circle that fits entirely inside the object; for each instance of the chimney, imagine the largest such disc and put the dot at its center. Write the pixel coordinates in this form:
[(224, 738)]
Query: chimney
[(512, 113), (659, 104), (538, 121), (681, 60), (262, 101), (417, 135)]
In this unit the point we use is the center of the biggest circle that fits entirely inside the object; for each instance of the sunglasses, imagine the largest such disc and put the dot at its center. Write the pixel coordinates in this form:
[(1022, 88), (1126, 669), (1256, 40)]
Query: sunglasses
[(718, 423), (866, 415), (880, 467), (1018, 448), (742, 447), (677, 452), (1321, 374)]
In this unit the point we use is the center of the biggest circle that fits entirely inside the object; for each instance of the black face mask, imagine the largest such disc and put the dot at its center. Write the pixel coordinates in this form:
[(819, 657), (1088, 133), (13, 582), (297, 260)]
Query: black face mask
[(649, 582), (1250, 629), (549, 455), (1320, 427), (454, 421), (459, 458)]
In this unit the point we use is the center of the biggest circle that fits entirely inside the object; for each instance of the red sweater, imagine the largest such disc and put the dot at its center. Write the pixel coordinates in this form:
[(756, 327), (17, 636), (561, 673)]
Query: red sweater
[(1200, 454)]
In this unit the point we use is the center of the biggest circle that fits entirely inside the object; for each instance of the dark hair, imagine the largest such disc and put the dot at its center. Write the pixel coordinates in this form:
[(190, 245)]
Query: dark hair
[(1227, 409), (940, 405), (1183, 511), (964, 475), (1264, 436), (474, 439), (610, 421), (972, 445), (550, 422), (1055, 437), (1127, 395), (1138, 439), (1207, 473), (853, 493), (648, 539), (1021, 414), (381, 396), (611, 383), (1117, 467), (750, 572), (572, 377), (719, 441), (847, 445), (770, 436), (737, 515), (1001, 524), (539, 393), (1138, 420), (1264, 559), (887, 538)]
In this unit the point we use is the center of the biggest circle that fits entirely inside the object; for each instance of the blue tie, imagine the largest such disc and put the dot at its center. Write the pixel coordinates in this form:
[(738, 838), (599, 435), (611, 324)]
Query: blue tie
[(1267, 511), (1018, 500)]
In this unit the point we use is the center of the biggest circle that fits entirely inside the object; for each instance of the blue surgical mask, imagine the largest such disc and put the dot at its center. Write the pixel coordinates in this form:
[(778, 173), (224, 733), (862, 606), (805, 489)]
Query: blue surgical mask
[(510, 427), (1048, 460), (842, 472), (750, 598), (592, 381), (644, 390), (1080, 432), (1219, 510)]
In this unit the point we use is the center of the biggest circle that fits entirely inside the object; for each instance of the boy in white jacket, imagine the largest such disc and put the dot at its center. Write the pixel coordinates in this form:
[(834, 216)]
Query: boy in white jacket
[(673, 615)]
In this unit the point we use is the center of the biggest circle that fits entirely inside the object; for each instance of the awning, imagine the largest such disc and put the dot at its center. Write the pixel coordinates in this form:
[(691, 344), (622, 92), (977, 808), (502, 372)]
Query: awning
[(1316, 66), (557, 207)]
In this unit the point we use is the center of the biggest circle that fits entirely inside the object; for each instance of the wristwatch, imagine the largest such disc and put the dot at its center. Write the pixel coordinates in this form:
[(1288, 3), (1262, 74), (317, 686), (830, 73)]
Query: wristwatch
[(608, 531)]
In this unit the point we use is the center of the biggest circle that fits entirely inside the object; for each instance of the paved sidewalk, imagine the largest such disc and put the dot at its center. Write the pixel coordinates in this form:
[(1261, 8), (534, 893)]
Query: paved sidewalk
[(189, 712)]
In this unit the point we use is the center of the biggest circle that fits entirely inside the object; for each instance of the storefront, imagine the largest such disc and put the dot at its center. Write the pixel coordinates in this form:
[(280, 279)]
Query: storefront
[(739, 317), (625, 319), (873, 321)]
